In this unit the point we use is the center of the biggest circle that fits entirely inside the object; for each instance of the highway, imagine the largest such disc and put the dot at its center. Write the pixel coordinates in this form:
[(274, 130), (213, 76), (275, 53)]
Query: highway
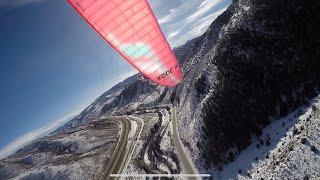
[(119, 157), (123, 151), (185, 161)]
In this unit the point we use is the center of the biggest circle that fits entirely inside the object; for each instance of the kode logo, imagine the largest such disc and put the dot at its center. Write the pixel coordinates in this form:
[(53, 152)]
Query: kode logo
[(167, 73)]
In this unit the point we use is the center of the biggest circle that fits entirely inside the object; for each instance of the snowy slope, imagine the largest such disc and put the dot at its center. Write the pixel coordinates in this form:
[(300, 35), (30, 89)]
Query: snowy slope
[(94, 110), (280, 152), (77, 153), (248, 78)]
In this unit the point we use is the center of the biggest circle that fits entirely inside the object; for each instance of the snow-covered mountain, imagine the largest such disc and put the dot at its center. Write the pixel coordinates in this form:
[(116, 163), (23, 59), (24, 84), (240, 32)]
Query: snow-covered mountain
[(267, 64), (77, 153), (94, 109), (257, 62)]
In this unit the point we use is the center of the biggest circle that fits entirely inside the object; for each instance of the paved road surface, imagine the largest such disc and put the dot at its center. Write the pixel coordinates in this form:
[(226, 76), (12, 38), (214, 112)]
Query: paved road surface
[(114, 165), (120, 155), (186, 162)]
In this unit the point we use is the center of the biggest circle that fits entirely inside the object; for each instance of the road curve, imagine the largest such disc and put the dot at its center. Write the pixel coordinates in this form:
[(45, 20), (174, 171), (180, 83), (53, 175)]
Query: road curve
[(114, 165), (186, 162)]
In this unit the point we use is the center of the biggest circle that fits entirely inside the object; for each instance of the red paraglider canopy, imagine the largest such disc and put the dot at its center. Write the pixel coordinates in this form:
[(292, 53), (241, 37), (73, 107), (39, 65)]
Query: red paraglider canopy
[(131, 28)]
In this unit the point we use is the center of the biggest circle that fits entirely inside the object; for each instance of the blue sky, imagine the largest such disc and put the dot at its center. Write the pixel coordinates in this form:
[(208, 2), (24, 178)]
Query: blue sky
[(51, 60)]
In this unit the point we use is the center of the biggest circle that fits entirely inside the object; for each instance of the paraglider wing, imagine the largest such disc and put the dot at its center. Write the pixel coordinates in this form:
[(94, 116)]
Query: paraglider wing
[(131, 28)]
